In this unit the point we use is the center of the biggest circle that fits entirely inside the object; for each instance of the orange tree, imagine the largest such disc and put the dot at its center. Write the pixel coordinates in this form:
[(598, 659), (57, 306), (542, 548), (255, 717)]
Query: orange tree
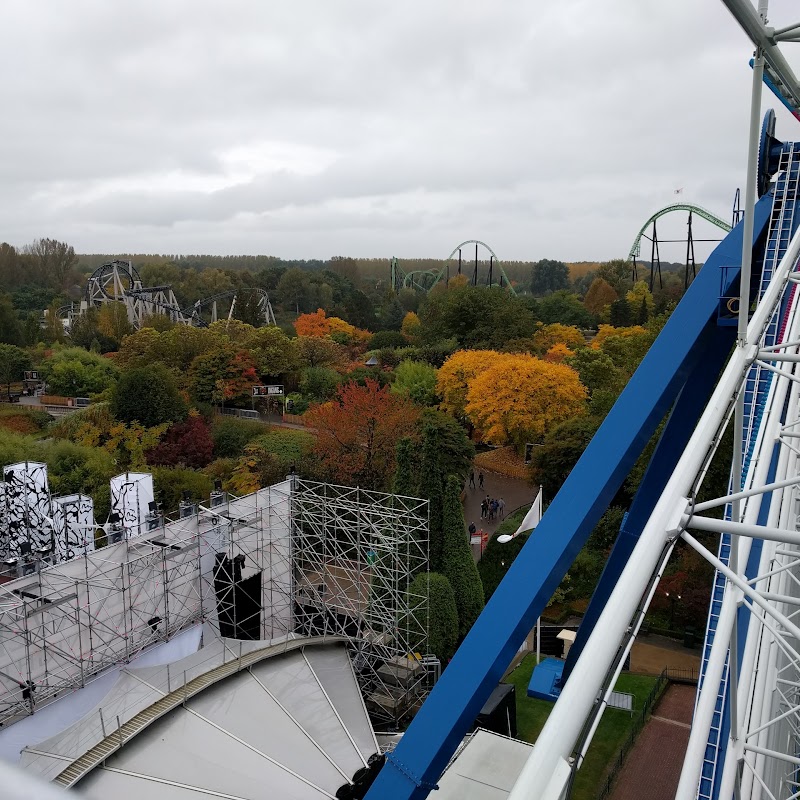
[(520, 397), (358, 432)]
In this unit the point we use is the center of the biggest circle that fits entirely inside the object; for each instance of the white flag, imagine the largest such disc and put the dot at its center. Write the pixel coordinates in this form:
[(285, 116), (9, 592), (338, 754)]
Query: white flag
[(533, 517)]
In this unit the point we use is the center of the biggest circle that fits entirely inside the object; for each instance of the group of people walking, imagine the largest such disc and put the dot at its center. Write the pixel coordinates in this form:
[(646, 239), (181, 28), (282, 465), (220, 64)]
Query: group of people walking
[(493, 508)]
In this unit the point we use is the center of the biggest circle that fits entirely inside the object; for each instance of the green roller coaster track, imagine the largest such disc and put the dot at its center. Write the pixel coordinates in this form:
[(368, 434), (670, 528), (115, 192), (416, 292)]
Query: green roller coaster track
[(425, 279), (700, 212)]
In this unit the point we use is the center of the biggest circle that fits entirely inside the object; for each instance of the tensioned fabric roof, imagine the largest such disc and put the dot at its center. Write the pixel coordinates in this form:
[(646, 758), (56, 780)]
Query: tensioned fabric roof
[(292, 725)]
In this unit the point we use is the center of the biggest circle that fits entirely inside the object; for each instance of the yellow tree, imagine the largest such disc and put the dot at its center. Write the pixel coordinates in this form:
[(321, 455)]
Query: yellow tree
[(556, 333), (520, 397), (411, 326), (606, 331), (638, 295), (456, 374), (557, 353)]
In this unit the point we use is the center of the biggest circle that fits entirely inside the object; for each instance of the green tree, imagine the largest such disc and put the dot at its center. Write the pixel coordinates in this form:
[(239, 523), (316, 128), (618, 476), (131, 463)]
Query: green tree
[(272, 350), (562, 447), (405, 469), (476, 316), (75, 372), (620, 315), (431, 600), (618, 273), (148, 395), (13, 363), (454, 449), (293, 289), (431, 487), (10, 328), (415, 380), (548, 276), (319, 383), (458, 565), (52, 261), (566, 308)]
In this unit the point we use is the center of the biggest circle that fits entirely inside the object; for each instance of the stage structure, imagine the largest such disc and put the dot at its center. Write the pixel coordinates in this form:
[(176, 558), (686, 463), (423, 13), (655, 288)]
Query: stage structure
[(119, 282), (291, 558), (356, 555)]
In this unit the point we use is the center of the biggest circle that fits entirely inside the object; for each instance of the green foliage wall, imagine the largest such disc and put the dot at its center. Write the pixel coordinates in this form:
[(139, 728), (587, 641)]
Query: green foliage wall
[(441, 631), (458, 565)]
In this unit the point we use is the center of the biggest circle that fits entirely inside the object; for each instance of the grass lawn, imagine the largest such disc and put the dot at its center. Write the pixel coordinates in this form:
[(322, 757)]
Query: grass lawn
[(611, 733)]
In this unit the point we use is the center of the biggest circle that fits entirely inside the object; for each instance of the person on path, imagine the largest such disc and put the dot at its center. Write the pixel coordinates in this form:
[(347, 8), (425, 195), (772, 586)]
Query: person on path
[(472, 479), (501, 507), (493, 506), (484, 509), (480, 480), (472, 529)]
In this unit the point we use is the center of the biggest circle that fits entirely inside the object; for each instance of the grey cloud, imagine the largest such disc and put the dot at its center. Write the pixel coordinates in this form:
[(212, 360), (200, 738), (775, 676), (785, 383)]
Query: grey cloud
[(550, 129)]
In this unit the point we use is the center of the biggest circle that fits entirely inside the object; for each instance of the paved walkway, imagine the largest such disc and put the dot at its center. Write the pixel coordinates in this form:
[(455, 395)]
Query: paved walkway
[(514, 492), (653, 766)]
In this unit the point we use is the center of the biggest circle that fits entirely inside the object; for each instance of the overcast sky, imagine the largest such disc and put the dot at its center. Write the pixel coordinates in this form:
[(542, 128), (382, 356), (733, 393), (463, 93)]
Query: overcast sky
[(367, 128)]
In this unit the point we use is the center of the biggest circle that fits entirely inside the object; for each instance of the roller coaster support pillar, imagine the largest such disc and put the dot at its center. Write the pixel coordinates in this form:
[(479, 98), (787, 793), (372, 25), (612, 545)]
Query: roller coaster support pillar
[(475, 274), (411, 771)]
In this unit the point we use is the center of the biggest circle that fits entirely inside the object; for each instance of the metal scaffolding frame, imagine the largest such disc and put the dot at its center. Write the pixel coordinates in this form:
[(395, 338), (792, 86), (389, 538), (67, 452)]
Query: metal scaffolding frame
[(249, 567), (356, 555)]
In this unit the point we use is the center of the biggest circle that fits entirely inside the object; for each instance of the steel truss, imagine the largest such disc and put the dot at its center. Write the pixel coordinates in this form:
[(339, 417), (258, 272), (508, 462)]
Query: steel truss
[(63, 625), (356, 555), (295, 557), (119, 282)]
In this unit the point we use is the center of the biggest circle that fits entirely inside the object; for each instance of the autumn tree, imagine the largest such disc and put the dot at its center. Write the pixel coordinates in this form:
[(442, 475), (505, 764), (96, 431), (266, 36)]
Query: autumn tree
[(458, 565), (617, 273), (223, 376), (556, 333), (411, 326), (185, 444), (112, 322), (520, 398), (600, 296), (316, 351), (315, 324), (456, 374), (638, 297), (358, 431)]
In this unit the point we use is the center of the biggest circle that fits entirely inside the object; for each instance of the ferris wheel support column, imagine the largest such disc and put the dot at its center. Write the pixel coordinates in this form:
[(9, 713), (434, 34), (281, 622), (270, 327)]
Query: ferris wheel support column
[(542, 775)]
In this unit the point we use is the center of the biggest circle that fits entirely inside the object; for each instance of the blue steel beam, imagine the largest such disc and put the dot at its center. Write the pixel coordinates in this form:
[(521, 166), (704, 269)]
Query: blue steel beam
[(680, 426), (411, 771)]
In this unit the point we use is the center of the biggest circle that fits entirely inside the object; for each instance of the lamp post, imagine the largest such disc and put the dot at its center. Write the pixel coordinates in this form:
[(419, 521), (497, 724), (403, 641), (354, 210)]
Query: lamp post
[(673, 598)]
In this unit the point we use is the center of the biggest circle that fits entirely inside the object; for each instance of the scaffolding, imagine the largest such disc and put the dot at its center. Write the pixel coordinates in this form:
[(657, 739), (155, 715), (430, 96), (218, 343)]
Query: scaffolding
[(249, 567), (356, 555)]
